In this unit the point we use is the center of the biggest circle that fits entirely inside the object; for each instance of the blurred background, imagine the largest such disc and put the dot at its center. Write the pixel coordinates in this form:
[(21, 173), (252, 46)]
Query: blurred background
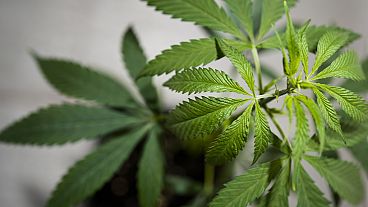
[(89, 31)]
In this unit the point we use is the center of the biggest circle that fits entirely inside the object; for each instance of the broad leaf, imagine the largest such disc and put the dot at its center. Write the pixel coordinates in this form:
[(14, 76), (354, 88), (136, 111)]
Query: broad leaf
[(201, 116), (354, 105), (202, 12), (197, 80), (327, 46), (246, 188), (135, 60), (91, 173), (75, 80), (263, 133), (317, 118), (328, 112), (151, 171), (240, 62), (59, 124), (272, 10), (308, 193), (232, 140), (187, 54), (346, 65), (344, 177), (243, 10)]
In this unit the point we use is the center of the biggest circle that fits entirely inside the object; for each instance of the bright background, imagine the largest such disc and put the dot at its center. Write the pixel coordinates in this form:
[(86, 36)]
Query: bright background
[(89, 31)]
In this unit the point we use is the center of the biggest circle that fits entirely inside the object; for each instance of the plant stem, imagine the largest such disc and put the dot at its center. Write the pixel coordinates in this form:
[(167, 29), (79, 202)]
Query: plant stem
[(277, 125), (265, 101), (209, 177), (257, 65)]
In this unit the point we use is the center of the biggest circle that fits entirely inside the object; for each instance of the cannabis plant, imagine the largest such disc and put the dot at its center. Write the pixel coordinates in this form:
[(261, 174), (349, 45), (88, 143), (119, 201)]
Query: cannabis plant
[(310, 55), (312, 58)]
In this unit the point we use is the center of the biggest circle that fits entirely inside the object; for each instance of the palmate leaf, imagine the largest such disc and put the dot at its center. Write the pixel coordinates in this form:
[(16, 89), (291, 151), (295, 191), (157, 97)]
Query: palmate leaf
[(197, 80), (201, 116), (327, 111), (232, 140), (135, 60), (240, 62), (272, 10), (263, 133), (246, 188), (354, 105), (59, 124), (90, 173), (317, 118), (202, 12), (302, 131), (151, 171), (327, 46), (346, 65), (187, 54), (308, 193), (243, 11), (75, 80), (343, 177), (279, 193)]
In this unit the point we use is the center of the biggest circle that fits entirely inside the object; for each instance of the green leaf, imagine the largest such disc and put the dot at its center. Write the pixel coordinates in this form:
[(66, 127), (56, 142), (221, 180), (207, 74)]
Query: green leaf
[(202, 12), (303, 47), (317, 118), (302, 131), (360, 152), (232, 140), (91, 173), (360, 86), (242, 9), (135, 60), (75, 80), (279, 193), (292, 44), (201, 116), (354, 105), (327, 111), (59, 124), (263, 133), (345, 66), (272, 10), (197, 80), (240, 62), (151, 171), (308, 193), (327, 46), (245, 188), (187, 54), (344, 177)]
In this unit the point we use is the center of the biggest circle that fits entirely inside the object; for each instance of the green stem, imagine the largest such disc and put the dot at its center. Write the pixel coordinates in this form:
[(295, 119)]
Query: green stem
[(209, 177), (257, 65)]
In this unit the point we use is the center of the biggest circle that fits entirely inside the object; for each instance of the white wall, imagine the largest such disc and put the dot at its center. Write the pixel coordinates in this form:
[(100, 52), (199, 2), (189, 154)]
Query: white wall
[(89, 31)]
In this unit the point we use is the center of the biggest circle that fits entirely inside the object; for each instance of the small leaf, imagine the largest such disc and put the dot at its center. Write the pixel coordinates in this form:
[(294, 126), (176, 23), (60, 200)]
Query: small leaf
[(187, 54), (202, 12), (59, 124), (151, 171), (232, 140), (327, 46), (262, 133), (345, 66), (243, 10), (201, 116), (135, 60), (327, 111), (308, 193), (303, 47), (344, 177), (272, 10), (354, 105), (90, 173), (78, 81), (240, 62), (246, 188), (197, 80), (292, 44)]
